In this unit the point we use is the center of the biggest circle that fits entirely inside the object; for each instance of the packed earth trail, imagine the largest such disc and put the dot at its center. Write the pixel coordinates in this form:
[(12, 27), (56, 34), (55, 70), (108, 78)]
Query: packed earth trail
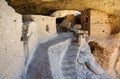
[(76, 62)]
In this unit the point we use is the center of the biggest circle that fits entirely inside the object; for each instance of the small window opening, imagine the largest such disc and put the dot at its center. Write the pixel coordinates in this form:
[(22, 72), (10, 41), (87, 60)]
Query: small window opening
[(14, 20), (47, 28), (86, 18)]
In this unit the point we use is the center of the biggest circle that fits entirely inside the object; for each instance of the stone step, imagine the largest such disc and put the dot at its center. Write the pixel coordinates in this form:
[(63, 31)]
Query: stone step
[(71, 77), (70, 73), (68, 68), (72, 45), (70, 62), (73, 48), (71, 54), (70, 58), (68, 77)]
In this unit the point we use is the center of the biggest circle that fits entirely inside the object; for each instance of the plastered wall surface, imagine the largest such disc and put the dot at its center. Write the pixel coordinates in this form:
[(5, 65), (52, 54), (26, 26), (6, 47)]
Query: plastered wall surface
[(42, 29), (11, 47)]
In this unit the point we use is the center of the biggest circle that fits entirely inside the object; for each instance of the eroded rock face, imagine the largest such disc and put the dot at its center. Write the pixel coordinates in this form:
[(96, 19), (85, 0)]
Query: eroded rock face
[(107, 53), (49, 6), (87, 66), (101, 54)]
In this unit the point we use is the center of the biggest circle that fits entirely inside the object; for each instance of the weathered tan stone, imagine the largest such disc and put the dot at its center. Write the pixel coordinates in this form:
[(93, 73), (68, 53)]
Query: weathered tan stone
[(106, 52), (96, 23), (114, 22), (101, 55), (44, 7), (99, 24)]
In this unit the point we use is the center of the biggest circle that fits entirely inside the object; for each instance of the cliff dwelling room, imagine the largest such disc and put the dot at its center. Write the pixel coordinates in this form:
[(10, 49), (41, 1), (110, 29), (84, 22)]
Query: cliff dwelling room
[(59, 39)]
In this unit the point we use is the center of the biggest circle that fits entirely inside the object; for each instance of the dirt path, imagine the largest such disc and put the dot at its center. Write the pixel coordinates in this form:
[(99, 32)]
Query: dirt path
[(39, 68)]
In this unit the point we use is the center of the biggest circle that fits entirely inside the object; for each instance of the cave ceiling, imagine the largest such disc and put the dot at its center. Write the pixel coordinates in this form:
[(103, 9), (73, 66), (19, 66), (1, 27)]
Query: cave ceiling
[(46, 7)]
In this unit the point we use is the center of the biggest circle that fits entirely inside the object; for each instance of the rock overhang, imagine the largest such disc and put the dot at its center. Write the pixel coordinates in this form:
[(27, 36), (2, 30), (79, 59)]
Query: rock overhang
[(46, 7)]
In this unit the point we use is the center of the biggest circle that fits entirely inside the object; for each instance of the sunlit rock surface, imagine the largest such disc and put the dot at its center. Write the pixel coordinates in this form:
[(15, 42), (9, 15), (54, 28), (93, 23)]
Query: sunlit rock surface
[(107, 53), (49, 6)]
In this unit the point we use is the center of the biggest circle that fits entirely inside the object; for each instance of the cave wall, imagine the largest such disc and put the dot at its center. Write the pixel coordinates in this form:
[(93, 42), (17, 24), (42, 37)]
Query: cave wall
[(11, 47), (118, 62), (107, 53), (106, 57), (99, 24), (115, 23), (69, 18), (49, 6)]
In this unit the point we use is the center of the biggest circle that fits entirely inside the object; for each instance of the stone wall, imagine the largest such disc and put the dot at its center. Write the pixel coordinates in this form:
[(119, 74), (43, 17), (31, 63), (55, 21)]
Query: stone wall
[(85, 20), (12, 58), (11, 47), (42, 29), (99, 24)]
